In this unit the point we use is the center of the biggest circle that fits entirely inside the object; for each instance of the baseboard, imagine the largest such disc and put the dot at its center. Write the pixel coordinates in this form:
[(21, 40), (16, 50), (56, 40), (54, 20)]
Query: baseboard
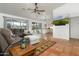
[(60, 38), (75, 38)]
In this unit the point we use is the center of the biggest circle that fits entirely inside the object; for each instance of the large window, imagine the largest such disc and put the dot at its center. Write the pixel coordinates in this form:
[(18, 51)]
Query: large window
[(16, 25)]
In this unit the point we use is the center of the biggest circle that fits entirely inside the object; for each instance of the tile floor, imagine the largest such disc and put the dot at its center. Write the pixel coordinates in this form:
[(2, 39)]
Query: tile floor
[(63, 48)]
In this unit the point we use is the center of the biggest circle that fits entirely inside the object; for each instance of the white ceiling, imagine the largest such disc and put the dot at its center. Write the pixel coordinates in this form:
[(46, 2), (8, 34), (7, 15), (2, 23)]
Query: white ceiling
[(17, 8)]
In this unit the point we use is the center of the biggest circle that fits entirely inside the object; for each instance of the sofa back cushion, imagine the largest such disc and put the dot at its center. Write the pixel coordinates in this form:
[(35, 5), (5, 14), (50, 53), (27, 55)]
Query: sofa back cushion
[(7, 35), (3, 43)]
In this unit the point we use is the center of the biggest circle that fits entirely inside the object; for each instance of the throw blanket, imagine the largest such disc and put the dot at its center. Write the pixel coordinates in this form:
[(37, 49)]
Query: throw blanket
[(34, 38)]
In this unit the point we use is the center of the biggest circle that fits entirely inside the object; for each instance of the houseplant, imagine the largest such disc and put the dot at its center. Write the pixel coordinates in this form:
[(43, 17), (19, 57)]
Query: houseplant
[(60, 22)]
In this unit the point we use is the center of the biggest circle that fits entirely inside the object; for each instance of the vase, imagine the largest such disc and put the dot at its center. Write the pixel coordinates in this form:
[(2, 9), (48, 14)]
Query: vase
[(24, 43)]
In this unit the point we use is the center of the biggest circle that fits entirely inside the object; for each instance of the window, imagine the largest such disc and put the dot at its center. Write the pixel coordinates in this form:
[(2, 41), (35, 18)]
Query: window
[(15, 23)]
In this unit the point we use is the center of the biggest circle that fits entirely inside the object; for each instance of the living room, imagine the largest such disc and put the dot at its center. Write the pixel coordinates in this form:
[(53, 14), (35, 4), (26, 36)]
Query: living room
[(21, 21), (37, 29)]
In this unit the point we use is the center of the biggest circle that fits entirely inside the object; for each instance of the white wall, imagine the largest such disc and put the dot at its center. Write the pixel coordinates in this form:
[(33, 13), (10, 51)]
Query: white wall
[(74, 27), (69, 9), (61, 32)]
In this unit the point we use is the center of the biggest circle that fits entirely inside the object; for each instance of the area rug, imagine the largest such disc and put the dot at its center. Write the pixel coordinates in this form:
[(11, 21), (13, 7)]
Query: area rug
[(43, 46)]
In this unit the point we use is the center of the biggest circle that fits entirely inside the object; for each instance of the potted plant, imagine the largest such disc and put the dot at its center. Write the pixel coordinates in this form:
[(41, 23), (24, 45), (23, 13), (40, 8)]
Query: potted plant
[(61, 22)]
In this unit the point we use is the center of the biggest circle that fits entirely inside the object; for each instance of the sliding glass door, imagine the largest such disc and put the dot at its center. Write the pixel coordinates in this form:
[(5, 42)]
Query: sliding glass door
[(37, 27)]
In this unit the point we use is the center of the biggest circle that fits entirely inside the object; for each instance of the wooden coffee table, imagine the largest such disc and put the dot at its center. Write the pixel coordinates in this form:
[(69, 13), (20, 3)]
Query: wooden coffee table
[(17, 51)]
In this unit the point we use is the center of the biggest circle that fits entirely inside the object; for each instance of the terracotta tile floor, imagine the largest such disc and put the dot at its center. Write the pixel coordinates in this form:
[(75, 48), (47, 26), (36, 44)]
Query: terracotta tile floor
[(63, 48)]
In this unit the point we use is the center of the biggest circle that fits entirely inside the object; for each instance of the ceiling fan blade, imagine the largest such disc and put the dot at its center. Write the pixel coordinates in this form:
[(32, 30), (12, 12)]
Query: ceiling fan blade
[(40, 10), (30, 9)]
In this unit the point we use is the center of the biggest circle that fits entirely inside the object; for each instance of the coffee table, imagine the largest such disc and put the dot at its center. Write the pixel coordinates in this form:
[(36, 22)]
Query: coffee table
[(17, 51)]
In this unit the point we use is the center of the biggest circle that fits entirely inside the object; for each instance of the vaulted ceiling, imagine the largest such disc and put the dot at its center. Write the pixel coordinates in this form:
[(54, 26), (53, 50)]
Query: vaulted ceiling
[(20, 9)]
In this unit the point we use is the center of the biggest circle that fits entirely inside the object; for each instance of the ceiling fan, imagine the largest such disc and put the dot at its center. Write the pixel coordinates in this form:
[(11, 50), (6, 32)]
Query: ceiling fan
[(36, 10)]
